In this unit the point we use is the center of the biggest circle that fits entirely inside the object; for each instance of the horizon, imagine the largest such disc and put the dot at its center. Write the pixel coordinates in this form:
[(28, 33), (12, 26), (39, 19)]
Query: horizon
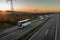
[(31, 5), (30, 10)]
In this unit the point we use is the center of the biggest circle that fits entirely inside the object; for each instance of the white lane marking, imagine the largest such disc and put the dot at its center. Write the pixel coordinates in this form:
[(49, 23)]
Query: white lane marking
[(56, 28), (47, 32), (38, 30)]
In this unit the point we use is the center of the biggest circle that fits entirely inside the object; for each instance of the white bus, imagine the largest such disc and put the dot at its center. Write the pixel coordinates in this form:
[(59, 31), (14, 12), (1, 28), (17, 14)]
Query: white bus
[(23, 23)]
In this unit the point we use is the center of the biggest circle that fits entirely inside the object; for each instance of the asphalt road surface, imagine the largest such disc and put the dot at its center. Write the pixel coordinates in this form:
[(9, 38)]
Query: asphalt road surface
[(47, 31), (16, 33), (52, 31), (52, 34), (57, 35)]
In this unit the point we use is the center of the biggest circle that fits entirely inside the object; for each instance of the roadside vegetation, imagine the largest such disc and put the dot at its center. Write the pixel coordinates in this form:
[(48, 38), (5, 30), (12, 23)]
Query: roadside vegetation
[(5, 25), (10, 20)]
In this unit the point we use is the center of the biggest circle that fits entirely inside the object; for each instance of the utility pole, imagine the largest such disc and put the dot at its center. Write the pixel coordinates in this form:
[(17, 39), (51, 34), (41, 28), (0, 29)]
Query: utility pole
[(11, 4), (12, 9)]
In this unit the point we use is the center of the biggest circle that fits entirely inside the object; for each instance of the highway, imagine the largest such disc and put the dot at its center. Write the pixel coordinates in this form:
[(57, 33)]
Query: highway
[(51, 33), (57, 35), (47, 29), (54, 33), (14, 33)]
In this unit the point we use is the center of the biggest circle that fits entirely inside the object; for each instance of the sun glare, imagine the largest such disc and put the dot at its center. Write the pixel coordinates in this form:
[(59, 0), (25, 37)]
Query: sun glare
[(4, 6), (3, 10)]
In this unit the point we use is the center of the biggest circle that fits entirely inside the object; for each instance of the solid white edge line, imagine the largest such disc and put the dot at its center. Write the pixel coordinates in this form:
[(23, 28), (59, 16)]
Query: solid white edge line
[(56, 28)]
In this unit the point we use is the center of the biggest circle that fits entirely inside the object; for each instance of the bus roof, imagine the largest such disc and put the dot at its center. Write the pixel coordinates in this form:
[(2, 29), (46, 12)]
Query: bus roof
[(24, 20)]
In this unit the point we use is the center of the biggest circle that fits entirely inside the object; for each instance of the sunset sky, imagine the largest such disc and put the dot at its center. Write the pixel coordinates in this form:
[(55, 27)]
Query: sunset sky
[(30, 5)]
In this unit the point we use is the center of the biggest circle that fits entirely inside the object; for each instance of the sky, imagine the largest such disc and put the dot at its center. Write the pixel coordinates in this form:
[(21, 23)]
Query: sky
[(30, 5)]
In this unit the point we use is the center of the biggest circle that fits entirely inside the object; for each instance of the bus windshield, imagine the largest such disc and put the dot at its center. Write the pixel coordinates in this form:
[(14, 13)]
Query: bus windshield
[(22, 22)]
